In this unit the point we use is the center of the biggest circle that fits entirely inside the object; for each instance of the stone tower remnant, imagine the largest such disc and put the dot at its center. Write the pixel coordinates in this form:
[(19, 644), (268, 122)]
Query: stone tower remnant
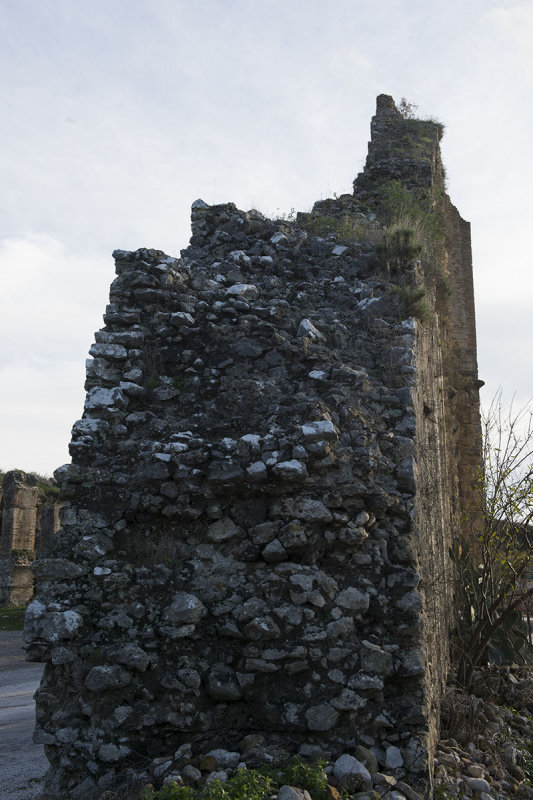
[(27, 523), (279, 431)]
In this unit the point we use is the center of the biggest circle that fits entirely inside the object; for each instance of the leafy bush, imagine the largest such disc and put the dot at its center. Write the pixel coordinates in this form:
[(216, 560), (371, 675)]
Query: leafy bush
[(244, 784), (216, 790), (172, 791), (305, 775), (493, 553), (250, 784)]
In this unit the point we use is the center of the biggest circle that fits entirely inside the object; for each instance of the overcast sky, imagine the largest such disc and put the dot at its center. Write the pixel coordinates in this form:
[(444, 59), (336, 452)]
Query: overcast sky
[(117, 114)]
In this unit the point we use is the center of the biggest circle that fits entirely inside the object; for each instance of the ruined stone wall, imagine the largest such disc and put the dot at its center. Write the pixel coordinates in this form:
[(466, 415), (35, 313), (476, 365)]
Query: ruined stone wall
[(23, 516), (464, 420), (256, 519)]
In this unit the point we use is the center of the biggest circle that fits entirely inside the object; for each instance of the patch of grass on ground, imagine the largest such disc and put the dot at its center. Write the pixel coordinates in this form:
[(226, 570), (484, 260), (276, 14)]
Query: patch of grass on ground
[(12, 618)]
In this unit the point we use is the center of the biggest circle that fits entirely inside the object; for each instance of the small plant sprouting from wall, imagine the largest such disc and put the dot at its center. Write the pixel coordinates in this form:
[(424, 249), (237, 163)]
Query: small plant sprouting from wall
[(398, 206), (348, 230), (413, 302), (398, 250), (407, 110), (418, 212)]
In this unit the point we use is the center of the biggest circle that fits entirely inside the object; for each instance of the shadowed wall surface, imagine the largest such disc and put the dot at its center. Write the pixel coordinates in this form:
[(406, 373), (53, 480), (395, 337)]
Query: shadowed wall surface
[(276, 439)]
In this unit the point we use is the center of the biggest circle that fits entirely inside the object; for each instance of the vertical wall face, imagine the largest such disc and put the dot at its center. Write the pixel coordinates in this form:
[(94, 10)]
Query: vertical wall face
[(448, 432), (17, 545), (49, 526), (19, 514), (462, 359), (27, 531), (261, 478), (448, 436)]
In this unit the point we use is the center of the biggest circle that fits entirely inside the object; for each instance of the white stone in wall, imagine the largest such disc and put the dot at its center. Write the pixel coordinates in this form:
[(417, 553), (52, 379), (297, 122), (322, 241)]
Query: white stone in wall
[(105, 398), (320, 429), (180, 318), (253, 439), (185, 608), (290, 469), (50, 626), (257, 470), (368, 301), (322, 717), (307, 328), (354, 600), (247, 290), (222, 530), (111, 352)]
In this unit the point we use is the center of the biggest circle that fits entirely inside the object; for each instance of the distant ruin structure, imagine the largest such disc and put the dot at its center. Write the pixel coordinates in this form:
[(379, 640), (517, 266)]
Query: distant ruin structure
[(281, 427), (28, 520)]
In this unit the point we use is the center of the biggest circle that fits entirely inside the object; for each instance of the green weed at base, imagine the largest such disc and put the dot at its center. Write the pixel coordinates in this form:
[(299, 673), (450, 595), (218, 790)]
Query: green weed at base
[(305, 775), (249, 784), (12, 618), (173, 791), (444, 793)]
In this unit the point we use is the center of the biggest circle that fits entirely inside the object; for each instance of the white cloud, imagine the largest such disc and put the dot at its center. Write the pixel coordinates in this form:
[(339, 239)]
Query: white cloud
[(117, 115), (39, 407), (51, 303), (51, 297), (515, 26)]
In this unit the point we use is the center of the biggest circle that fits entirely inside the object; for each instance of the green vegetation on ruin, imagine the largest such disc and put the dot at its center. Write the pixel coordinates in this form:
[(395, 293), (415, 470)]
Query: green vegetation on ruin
[(12, 618), (250, 784), (47, 485)]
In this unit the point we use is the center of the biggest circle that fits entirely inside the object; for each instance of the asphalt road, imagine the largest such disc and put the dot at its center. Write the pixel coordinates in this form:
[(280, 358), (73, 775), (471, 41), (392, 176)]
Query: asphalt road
[(22, 763)]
